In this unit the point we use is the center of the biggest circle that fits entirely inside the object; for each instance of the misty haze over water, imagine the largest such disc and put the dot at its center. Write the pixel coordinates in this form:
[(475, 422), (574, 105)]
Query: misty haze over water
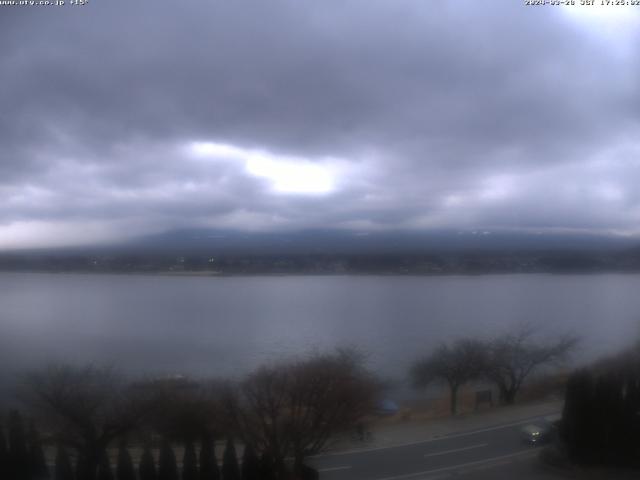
[(226, 326)]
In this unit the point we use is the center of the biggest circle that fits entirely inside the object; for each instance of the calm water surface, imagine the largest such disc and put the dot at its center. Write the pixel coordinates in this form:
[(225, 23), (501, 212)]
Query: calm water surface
[(223, 326)]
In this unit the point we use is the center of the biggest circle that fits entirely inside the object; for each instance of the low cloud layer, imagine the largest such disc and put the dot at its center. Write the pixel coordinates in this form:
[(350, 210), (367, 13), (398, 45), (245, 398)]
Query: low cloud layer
[(120, 119)]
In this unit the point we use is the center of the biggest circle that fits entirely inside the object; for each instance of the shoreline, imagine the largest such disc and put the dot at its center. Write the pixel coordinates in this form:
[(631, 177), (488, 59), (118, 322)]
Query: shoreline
[(196, 273)]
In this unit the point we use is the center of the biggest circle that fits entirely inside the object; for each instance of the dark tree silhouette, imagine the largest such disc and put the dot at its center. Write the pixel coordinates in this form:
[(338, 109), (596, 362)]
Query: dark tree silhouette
[(167, 466), (308, 473), (208, 463), (250, 464), (600, 421), (455, 364), (83, 470), (87, 408), (147, 466), (230, 468), (104, 468), (37, 460), (577, 415), (630, 429), (124, 468), (63, 469), (513, 357), (296, 408), (19, 468), (4, 455), (187, 409), (267, 467), (189, 462)]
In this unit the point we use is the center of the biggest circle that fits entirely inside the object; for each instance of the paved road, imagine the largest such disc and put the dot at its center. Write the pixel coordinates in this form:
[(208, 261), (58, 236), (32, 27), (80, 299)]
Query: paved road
[(434, 458)]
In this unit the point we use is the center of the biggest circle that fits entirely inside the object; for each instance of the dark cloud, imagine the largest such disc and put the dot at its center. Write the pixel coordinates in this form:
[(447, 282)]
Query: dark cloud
[(456, 114)]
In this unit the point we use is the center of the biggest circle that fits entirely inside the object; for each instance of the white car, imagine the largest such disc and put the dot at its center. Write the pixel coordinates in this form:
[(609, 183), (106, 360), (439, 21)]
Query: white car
[(536, 434)]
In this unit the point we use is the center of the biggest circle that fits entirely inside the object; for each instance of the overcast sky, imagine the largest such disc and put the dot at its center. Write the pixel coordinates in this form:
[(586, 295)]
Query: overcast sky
[(123, 118)]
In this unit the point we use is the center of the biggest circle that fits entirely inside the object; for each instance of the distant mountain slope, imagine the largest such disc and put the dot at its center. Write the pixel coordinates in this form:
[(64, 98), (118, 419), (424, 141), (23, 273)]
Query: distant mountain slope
[(342, 242), (337, 251)]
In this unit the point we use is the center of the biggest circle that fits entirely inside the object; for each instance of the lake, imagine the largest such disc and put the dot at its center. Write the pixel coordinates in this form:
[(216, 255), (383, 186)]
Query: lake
[(225, 326)]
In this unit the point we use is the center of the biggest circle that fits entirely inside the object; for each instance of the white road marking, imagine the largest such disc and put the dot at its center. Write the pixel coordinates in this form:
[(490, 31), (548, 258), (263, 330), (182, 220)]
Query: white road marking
[(333, 469), (429, 440), (459, 466), (454, 450)]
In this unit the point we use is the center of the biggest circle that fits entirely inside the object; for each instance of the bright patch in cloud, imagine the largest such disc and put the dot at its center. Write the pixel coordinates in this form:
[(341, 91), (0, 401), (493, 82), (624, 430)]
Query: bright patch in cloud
[(498, 188), (286, 174), (291, 176)]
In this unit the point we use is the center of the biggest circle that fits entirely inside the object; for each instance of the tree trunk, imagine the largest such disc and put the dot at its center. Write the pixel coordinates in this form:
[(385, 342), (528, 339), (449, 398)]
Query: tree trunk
[(509, 396), (454, 399), (298, 461), (87, 467), (280, 467)]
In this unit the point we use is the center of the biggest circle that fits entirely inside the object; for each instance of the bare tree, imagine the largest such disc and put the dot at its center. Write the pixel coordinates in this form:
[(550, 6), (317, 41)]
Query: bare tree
[(513, 357), (187, 410), (455, 364), (295, 409), (86, 407)]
